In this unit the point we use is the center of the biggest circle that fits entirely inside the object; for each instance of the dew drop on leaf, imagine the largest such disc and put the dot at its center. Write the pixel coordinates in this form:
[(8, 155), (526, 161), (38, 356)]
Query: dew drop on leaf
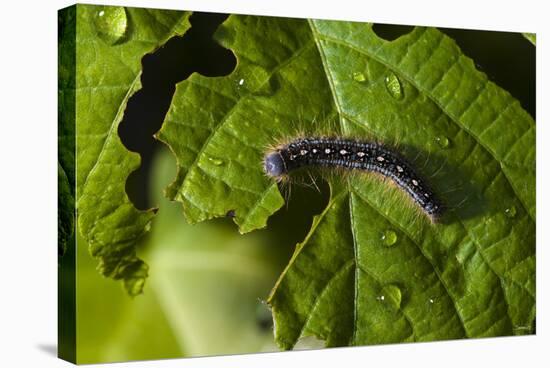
[(359, 77), (392, 295), (215, 161), (511, 212), (393, 85), (443, 141), (389, 238), (111, 24)]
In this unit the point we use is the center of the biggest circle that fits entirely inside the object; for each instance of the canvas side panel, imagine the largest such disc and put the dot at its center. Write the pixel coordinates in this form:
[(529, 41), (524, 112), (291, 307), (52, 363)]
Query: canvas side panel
[(66, 184)]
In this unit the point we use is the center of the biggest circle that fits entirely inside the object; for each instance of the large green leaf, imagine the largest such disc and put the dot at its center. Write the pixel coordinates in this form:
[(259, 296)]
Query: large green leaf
[(110, 43), (372, 269)]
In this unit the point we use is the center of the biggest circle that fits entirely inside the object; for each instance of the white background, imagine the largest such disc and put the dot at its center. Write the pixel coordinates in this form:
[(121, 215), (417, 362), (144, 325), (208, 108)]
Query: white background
[(28, 180)]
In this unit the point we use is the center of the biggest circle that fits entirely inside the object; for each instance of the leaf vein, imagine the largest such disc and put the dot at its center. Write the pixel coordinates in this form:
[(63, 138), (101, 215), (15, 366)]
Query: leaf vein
[(413, 240)]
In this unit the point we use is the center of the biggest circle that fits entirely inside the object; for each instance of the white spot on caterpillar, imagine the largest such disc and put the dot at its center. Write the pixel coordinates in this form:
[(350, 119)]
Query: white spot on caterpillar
[(303, 152), (314, 150), (327, 150), (399, 168), (415, 182), (343, 151), (380, 158), (360, 154)]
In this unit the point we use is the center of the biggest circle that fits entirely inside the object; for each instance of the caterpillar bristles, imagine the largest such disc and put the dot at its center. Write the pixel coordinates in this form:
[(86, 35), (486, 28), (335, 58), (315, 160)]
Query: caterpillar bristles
[(342, 155)]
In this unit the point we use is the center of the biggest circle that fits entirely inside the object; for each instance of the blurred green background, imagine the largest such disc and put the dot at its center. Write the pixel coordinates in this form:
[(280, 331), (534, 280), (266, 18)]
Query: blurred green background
[(202, 296), (207, 283)]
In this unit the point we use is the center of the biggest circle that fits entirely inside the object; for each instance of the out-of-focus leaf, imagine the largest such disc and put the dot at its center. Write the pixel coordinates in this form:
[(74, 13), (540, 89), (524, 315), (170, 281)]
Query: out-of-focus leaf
[(113, 327), (471, 275), (209, 279)]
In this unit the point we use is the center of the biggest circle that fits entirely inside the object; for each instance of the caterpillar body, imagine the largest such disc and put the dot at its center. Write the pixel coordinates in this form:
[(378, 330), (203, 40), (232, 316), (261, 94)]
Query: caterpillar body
[(353, 155)]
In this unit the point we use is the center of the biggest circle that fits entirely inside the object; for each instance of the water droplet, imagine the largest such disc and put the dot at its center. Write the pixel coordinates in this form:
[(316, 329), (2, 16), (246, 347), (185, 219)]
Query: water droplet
[(215, 161), (392, 295), (431, 301), (111, 23), (241, 82), (443, 141), (511, 212), (393, 85), (389, 237), (359, 77)]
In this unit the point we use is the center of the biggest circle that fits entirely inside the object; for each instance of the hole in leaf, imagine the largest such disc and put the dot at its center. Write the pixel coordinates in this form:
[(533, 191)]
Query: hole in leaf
[(175, 61), (291, 224), (390, 32)]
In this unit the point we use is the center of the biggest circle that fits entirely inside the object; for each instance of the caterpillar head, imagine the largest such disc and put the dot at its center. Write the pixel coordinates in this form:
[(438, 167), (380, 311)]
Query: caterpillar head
[(274, 164)]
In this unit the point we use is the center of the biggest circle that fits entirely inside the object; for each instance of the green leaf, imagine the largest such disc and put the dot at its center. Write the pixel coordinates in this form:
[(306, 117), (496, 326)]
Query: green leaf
[(110, 43), (531, 37), (472, 275)]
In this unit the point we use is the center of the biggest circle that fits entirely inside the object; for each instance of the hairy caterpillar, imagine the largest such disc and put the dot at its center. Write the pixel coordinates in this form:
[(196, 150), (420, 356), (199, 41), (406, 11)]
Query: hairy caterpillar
[(354, 155)]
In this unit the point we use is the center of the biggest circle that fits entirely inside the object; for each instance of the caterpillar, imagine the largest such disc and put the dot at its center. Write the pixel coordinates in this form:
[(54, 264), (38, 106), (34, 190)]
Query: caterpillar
[(353, 155)]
